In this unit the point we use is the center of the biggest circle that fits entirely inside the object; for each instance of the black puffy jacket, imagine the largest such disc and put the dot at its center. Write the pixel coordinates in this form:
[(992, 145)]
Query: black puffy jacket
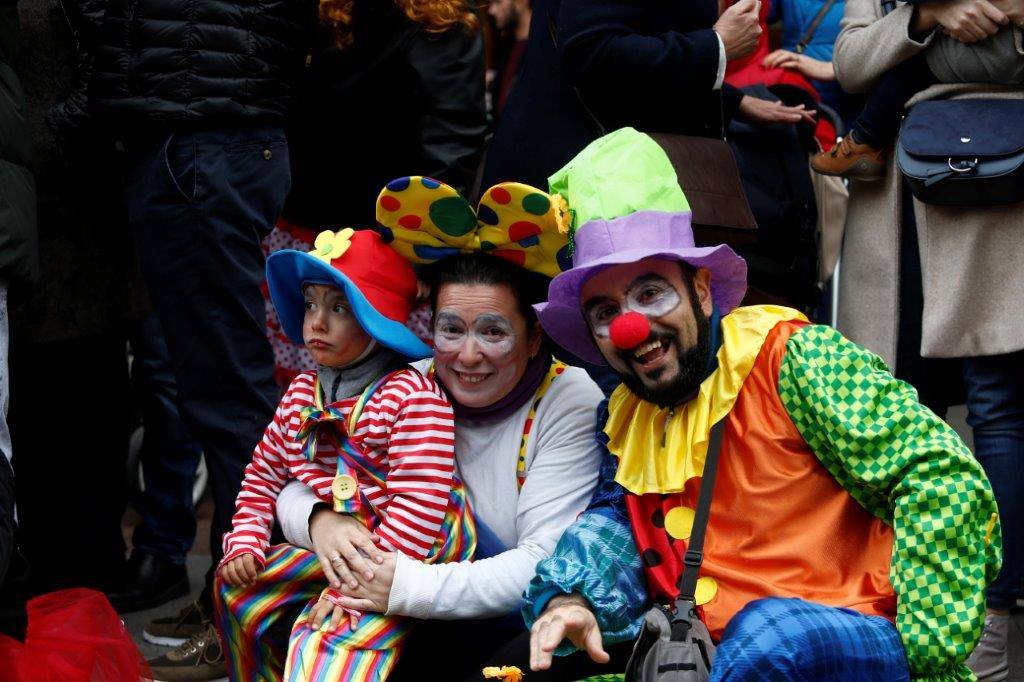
[(194, 61), (18, 250)]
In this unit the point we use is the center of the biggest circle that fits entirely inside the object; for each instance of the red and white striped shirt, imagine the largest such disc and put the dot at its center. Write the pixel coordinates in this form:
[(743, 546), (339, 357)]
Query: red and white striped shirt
[(406, 429)]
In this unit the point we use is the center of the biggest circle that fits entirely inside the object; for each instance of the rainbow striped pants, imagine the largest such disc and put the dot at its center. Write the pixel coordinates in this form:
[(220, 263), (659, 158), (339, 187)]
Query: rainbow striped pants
[(293, 576)]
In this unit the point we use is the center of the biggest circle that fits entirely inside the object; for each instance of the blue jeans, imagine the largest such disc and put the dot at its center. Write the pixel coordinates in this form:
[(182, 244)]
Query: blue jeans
[(199, 201), (169, 455), (995, 412), (793, 639)]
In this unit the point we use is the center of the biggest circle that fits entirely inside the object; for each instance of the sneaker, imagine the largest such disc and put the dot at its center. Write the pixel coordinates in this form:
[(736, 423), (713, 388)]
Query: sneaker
[(199, 659), (851, 159), (175, 630), (988, 661)]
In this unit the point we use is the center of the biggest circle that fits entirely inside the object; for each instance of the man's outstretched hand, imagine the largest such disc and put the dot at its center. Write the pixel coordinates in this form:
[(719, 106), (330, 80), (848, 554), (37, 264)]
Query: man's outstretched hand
[(567, 616), (758, 110)]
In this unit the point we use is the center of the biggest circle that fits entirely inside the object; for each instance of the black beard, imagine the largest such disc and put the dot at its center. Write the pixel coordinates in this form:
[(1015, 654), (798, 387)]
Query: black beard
[(692, 366)]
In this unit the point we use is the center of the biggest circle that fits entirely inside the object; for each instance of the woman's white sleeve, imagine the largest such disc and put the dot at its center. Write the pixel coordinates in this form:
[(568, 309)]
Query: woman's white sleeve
[(559, 484), (294, 505)]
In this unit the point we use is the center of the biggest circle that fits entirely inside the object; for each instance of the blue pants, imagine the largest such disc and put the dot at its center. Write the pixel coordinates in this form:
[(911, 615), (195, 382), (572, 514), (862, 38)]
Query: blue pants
[(995, 412), (170, 456), (792, 639), (199, 201)]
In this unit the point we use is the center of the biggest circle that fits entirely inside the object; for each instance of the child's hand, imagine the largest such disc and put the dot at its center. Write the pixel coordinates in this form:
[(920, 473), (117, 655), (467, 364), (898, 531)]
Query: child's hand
[(328, 616), (242, 570)]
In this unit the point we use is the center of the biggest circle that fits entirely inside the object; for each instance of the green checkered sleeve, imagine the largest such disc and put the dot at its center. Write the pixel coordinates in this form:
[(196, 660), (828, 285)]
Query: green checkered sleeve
[(910, 469)]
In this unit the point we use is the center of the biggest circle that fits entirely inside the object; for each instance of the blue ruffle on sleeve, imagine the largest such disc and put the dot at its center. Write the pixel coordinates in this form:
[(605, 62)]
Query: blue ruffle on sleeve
[(597, 558)]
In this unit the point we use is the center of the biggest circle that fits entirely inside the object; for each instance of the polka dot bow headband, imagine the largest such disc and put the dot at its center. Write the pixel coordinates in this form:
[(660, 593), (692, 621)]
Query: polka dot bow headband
[(426, 220)]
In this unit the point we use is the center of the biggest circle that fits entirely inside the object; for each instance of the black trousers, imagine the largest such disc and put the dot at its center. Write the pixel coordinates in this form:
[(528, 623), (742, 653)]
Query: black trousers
[(199, 201), (879, 122), (70, 421)]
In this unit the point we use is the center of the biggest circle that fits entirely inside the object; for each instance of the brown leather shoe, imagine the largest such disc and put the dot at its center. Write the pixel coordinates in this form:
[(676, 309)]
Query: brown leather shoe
[(849, 159), (200, 659)]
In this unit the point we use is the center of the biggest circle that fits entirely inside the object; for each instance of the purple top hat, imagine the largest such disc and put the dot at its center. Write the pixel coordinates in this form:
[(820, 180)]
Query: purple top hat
[(601, 244)]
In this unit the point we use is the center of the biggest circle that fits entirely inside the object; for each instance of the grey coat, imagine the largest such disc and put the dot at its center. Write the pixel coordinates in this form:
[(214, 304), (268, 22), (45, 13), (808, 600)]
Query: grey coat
[(971, 258)]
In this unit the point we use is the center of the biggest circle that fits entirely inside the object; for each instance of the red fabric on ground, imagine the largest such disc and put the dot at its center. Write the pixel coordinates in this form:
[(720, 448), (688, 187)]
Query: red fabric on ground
[(73, 636)]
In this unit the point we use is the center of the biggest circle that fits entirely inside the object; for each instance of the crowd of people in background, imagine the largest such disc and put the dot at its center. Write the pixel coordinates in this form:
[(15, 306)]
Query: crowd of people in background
[(155, 153)]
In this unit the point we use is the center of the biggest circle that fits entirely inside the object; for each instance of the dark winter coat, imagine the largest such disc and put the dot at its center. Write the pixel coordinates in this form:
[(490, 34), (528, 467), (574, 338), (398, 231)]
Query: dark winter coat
[(199, 61), (89, 285), (649, 64), (399, 101), (18, 258)]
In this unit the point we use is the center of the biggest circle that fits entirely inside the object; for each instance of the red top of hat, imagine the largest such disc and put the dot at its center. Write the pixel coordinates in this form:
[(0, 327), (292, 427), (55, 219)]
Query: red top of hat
[(385, 278)]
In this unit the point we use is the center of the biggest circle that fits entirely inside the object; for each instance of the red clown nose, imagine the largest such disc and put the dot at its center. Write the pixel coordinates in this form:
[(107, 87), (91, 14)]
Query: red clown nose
[(629, 330)]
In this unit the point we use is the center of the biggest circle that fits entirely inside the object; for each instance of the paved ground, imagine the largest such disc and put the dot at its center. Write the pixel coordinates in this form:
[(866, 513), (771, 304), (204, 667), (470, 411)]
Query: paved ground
[(199, 560)]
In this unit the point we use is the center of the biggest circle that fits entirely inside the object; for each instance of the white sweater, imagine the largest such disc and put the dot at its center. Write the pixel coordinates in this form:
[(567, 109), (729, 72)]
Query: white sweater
[(562, 464)]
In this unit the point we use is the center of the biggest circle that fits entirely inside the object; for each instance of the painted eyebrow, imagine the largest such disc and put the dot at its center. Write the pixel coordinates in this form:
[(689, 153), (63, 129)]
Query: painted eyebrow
[(492, 318), (595, 301), (448, 316), (644, 279)]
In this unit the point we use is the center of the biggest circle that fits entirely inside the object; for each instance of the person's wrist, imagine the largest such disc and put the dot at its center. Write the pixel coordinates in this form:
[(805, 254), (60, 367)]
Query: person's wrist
[(318, 512), (574, 599), (923, 21)]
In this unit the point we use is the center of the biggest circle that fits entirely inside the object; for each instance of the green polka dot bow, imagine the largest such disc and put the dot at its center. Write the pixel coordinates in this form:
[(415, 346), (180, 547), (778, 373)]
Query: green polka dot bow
[(426, 220)]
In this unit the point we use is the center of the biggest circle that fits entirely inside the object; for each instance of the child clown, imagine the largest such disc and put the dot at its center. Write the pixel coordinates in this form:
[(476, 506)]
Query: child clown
[(369, 435)]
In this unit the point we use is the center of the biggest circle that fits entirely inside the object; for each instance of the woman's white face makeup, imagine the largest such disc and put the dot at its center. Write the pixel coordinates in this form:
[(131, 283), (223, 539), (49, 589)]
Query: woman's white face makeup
[(493, 333), (481, 347), (651, 296)]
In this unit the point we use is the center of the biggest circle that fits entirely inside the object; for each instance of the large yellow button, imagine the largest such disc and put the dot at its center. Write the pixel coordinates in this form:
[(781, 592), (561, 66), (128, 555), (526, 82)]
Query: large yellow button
[(343, 487), (706, 590), (679, 522)]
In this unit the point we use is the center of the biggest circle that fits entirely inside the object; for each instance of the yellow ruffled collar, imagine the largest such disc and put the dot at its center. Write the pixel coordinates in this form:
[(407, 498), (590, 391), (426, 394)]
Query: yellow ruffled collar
[(661, 448)]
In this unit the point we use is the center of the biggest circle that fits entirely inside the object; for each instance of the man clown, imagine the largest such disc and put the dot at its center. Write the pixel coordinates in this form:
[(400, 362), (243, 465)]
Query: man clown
[(851, 532)]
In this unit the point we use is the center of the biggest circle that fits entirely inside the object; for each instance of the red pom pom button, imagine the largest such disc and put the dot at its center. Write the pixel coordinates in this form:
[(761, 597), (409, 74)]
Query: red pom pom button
[(629, 330)]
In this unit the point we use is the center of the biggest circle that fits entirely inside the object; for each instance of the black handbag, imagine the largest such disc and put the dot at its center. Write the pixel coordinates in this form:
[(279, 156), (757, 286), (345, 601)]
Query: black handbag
[(967, 152), (674, 645)]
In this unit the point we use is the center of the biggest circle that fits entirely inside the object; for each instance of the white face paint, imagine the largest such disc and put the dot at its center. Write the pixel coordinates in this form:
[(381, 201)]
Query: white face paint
[(650, 295), (494, 334)]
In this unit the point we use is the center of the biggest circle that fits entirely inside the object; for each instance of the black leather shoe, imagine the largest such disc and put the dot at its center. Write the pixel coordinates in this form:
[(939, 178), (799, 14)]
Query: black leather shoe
[(148, 582)]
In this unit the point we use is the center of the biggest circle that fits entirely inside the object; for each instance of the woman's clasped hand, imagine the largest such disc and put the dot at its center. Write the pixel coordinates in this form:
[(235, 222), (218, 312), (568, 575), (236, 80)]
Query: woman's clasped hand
[(968, 21), (344, 547)]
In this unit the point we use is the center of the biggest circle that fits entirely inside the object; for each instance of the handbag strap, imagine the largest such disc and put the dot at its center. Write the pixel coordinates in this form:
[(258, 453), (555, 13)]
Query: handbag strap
[(694, 556), (805, 39)]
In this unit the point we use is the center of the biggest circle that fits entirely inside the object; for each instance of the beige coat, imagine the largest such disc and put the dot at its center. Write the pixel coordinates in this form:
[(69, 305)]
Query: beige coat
[(972, 259)]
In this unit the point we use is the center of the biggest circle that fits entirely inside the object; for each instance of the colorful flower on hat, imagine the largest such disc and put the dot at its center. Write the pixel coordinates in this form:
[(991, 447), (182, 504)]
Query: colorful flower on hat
[(330, 245)]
